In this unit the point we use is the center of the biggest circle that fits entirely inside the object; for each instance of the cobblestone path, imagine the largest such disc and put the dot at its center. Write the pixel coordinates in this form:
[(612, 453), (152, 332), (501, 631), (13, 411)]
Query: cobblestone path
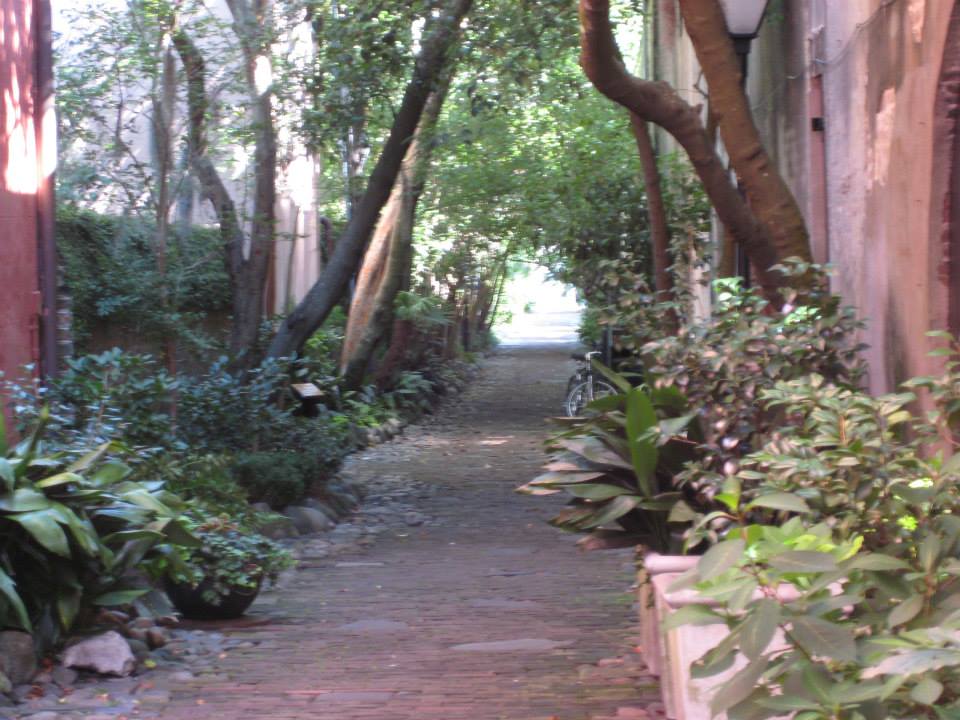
[(484, 612)]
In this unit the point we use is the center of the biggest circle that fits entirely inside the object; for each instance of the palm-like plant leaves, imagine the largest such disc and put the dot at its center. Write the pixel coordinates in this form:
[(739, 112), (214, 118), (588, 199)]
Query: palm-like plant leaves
[(72, 532), (616, 464)]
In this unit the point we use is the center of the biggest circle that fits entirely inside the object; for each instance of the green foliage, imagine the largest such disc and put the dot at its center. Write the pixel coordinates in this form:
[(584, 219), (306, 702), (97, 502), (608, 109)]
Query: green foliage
[(276, 478), (724, 364), (321, 353), (73, 532), (411, 391), (97, 398), (618, 465), (229, 557), (206, 481), (227, 411), (688, 218), (837, 575), (616, 279), (109, 267)]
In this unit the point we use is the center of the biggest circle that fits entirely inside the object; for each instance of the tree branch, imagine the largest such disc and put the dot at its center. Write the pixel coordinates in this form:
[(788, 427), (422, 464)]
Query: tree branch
[(660, 104)]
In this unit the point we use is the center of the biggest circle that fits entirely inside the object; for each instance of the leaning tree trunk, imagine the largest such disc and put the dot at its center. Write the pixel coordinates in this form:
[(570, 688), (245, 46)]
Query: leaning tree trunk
[(767, 192), (378, 283), (333, 282), (660, 104), (385, 263)]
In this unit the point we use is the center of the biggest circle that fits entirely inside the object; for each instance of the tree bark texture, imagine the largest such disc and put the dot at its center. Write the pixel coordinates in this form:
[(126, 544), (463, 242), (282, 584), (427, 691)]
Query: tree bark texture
[(388, 255), (770, 199), (660, 104), (248, 258), (659, 230), (346, 258)]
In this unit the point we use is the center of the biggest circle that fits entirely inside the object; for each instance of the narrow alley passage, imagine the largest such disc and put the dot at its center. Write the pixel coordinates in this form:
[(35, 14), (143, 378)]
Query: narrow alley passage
[(484, 612)]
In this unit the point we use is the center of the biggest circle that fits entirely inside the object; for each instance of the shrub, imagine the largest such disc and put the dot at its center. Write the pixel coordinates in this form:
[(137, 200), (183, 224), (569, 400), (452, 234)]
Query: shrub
[(853, 506), (276, 478), (229, 557), (224, 411), (725, 364), (205, 479), (108, 396)]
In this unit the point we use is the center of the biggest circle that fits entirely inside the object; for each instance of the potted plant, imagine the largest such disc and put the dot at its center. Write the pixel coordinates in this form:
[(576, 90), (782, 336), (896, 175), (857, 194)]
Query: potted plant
[(221, 577)]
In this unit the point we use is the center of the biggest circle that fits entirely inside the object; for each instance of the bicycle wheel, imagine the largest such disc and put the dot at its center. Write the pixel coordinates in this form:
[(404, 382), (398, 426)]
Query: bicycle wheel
[(580, 396)]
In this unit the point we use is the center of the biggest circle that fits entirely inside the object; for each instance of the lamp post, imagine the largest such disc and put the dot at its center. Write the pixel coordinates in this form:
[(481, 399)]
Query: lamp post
[(744, 18), (743, 24)]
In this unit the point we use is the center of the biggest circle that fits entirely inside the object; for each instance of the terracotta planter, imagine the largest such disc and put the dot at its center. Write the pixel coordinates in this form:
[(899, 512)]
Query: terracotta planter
[(190, 602)]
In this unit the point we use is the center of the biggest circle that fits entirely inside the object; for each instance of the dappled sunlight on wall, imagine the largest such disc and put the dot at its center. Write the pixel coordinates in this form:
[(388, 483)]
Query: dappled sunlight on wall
[(18, 148), (27, 164)]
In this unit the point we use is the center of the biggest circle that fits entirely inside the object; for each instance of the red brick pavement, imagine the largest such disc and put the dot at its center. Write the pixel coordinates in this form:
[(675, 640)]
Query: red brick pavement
[(377, 638)]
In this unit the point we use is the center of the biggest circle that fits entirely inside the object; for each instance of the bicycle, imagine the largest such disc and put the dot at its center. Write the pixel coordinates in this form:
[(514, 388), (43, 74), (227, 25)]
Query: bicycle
[(583, 388)]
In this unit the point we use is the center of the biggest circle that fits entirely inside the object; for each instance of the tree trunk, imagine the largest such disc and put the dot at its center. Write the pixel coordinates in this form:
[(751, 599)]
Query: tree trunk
[(386, 261), (660, 104), (327, 291), (769, 197), (659, 230), (247, 259), (377, 284), (164, 104), (403, 337)]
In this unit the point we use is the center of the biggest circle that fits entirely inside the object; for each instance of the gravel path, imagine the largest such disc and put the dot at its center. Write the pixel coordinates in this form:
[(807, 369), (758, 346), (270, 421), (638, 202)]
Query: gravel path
[(461, 603)]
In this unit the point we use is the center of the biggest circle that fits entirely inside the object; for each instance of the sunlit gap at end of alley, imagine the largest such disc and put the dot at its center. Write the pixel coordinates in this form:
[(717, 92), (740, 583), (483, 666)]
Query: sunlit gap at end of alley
[(541, 310)]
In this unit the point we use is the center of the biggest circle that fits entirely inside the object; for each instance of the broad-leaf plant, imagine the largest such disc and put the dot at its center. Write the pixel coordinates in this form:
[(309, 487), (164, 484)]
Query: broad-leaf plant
[(837, 569), (73, 532)]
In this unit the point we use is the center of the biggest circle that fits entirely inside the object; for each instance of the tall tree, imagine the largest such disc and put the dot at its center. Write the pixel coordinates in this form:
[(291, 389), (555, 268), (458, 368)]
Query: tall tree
[(751, 225), (387, 261), (248, 254), (440, 35)]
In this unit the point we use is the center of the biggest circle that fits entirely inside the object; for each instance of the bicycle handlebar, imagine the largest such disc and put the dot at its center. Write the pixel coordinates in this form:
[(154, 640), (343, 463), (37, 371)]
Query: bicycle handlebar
[(585, 357)]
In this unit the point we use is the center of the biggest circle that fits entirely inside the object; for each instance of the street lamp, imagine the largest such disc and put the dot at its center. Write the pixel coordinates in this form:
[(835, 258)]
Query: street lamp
[(743, 24)]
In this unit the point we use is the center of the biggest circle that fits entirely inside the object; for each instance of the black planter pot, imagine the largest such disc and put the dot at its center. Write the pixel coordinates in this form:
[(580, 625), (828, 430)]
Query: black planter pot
[(190, 602)]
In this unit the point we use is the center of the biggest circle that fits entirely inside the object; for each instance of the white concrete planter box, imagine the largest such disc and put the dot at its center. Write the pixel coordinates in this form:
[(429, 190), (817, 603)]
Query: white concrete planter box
[(650, 643), (684, 697)]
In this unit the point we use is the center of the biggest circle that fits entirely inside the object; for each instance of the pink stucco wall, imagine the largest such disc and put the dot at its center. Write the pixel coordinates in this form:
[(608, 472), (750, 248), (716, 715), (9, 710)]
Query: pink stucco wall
[(19, 273), (880, 76), (872, 204), (874, 182)]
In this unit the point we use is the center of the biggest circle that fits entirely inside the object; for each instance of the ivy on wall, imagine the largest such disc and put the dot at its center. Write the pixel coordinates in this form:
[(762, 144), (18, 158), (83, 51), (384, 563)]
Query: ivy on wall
[(109, 267)]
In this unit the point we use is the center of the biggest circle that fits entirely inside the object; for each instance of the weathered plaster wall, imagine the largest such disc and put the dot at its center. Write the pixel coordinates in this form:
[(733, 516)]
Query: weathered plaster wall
[(866, 184), (881, 70), (19, 182), (869, 208)]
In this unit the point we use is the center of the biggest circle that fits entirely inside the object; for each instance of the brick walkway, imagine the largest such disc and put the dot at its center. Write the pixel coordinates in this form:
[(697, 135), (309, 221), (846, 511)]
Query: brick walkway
[(487, 613)]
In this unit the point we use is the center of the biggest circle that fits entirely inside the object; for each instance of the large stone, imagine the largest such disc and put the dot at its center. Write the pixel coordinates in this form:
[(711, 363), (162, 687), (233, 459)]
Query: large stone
[(343, 493), (307, 520), (278, 527), (317, 504), (106, 654), (18, 659), (335, 502)]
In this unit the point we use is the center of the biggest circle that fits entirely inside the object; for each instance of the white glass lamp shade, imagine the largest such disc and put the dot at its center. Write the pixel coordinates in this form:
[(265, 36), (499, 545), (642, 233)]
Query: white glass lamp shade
[(744, 16)]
